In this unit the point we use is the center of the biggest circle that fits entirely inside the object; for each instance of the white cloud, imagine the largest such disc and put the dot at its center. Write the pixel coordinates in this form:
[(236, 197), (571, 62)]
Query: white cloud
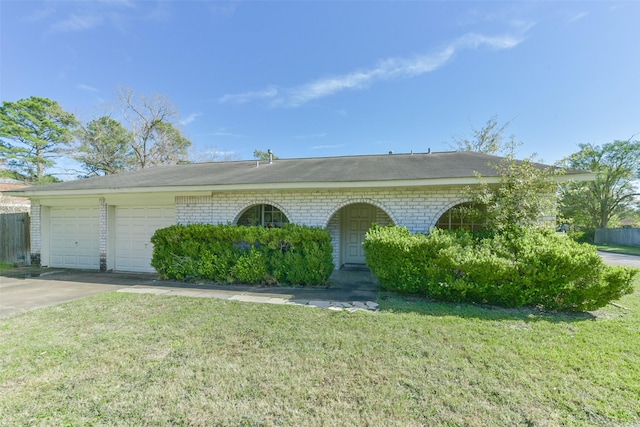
[(190, 118), (77, 23), (311, 136), (577, 17), (323, 147), (222, 132), (39, 14), (243, 98), (126, 3), (87, 88), (387, 69)]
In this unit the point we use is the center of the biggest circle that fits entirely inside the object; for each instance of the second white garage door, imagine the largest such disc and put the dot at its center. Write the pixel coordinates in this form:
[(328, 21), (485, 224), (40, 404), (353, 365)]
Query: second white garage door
[(134, 228)]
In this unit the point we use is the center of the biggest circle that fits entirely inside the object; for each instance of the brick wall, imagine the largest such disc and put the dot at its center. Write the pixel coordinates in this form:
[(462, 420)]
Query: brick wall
[(35, 222), (417, 209), (103, 234)]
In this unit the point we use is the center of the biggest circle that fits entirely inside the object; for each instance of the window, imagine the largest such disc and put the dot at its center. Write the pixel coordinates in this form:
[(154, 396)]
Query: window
[(465, 216), (264, 215)]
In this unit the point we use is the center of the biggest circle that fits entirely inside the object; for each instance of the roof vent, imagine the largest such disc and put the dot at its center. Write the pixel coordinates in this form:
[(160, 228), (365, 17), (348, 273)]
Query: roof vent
[(270, 156), (429, 150), (391, 152)]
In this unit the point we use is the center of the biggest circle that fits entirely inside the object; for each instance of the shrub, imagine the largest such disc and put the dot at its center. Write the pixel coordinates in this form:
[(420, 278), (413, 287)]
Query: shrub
[(225, 253), (515, 268), (583, 236)]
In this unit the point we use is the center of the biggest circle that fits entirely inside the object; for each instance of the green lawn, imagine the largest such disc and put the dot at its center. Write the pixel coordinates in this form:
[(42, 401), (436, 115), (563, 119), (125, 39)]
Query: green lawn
[(132, 359)]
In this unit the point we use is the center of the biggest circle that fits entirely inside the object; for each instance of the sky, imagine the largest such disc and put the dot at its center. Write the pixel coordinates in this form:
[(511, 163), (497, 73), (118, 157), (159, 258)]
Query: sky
[(334, 78)]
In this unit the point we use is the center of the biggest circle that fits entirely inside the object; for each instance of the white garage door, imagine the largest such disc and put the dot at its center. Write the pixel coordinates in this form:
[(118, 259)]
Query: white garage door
[(75, 238), (134, 228)]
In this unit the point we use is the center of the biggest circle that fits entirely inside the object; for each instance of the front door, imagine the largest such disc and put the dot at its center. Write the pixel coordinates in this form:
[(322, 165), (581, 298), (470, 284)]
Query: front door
[(356, 221)]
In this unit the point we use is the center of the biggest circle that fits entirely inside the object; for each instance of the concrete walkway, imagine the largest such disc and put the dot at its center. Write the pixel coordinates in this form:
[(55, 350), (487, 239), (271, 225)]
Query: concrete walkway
[(22, 290)]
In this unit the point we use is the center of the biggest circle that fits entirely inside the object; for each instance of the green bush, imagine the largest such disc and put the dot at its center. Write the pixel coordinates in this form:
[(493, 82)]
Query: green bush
[(224, 253), (511, 269), (587, 236)]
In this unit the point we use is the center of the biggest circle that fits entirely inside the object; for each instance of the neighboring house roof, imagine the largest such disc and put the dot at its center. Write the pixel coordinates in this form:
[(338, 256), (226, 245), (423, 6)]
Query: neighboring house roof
[(12, 203), (445, 168)]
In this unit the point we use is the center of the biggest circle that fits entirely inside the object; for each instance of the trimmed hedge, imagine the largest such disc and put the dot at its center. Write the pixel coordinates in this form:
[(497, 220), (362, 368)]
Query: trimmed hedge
[(511, 269), (237, 254)]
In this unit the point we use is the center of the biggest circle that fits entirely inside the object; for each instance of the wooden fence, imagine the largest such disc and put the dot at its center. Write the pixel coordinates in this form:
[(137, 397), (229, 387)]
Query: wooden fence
[(618, 236), (14, 238)]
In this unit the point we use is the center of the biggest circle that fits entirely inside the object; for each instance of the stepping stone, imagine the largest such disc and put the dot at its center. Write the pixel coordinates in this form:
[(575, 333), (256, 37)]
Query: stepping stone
[(320, 304)]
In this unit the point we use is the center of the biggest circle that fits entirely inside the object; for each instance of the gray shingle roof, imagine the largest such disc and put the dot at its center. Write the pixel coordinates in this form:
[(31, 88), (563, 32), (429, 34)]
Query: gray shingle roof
[(348, 169)]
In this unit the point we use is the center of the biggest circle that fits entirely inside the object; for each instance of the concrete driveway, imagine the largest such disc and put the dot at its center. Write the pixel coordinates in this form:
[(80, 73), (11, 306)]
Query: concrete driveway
[(25, 290), (620, 259), (22, 290)]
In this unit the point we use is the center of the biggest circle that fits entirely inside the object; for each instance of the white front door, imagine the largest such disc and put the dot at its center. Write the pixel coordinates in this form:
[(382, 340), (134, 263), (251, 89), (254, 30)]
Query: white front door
[(356, 221), (74, 238), (134, 228)]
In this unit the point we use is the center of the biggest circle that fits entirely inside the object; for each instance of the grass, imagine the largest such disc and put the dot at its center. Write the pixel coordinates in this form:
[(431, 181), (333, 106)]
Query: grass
[(132, 359), (628, 250)]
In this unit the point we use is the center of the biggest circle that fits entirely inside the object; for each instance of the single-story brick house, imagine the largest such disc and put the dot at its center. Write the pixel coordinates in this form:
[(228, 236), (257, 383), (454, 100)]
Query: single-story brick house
[(106, 222)]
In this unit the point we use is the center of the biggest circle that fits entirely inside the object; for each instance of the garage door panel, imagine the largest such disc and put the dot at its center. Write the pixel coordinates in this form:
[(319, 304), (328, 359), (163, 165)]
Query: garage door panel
[(74, 238), (134, 229)]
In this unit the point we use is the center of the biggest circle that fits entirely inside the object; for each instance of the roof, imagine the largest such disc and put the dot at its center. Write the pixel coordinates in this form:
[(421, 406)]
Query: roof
[(9, 203), (358, 171)]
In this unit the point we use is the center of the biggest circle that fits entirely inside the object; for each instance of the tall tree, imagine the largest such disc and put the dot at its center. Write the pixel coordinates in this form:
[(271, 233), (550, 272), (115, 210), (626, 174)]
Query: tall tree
[(104, 147), (156, 139), (526, 192), (593, 204), (489, 139), (33, 133), (524, 197)]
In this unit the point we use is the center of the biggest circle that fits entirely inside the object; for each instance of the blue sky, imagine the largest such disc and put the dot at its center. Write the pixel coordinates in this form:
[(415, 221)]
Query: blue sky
[(310, 79)]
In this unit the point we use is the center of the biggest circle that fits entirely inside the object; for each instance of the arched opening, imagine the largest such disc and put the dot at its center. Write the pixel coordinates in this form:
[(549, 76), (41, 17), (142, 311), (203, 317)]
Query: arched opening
[(464, 216), (263, 215), (348, 227)]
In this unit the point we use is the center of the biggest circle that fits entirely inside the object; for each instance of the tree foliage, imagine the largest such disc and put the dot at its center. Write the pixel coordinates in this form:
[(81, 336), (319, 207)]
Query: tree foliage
[(155, 137), (593, 204), (103, 147), (524, 196), (526, 191), (33, 133), (489, 139), (263, 155)]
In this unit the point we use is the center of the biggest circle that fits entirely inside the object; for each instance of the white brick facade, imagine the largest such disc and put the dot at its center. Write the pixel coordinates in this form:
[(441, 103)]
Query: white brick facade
[(104, 234), (35, 231), (418, 209)]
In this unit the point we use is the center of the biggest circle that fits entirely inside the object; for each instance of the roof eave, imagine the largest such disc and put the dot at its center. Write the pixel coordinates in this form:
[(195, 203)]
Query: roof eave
[(34, 192)]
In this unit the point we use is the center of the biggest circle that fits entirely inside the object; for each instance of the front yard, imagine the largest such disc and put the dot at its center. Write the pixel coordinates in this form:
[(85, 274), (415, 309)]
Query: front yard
[(130, 359)]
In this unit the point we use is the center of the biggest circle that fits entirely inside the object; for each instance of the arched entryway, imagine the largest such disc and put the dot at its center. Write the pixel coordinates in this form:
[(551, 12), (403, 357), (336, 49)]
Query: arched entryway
[(348, 227)]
